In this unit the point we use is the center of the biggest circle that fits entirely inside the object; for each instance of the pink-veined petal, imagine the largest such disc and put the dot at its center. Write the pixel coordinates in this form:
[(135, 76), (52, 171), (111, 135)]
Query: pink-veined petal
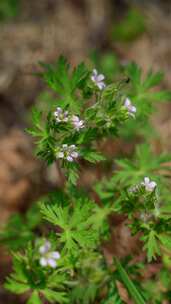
[(74, 154), (93, 78), (100, 77), (75, 118), (101, 85), (152, 184), (69, 158), (127, 102), (58, 110), (133, 109), (45, 247), (51, 262), (55, 255)]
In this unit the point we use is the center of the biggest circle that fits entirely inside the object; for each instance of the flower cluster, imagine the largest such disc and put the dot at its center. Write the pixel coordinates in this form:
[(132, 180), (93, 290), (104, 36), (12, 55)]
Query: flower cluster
[(68, 152), (98, 79), (60, 115), (63, 116), (130, 108), (147, 184), (48, 257)]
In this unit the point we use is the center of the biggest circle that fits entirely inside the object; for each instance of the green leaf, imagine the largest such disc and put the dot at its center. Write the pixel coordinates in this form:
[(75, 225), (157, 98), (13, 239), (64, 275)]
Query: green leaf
[(134, 293), (34, 299), (55, 296), (134, 72), (17, 281), (151, 244), (165, 239), (79, 75), (9, 9), (78, 231), (113, 296), (84, 293), (57, 77), (144, 163), (15, 287), (36, 116), (131, 27), (93, 156), (20, 229), (152, 79), (55, 215), (72, 175), (160, 96)]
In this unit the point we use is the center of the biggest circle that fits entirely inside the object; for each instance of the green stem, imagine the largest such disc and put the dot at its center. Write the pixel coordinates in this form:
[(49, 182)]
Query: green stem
[(136, 296)]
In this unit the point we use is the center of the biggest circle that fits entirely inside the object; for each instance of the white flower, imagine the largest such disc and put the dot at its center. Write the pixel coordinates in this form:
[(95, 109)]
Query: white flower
[(68, 152), (131, 109), (77, 123), (149, 185), (98, 79), (60, 115), (48, 258)]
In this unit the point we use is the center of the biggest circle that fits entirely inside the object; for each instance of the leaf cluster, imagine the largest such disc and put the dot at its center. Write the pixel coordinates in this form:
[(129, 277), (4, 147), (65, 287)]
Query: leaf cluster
[(76, 224)]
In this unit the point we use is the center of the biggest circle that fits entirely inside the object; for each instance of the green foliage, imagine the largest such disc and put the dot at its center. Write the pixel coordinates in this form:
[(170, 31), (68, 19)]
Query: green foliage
[(91, 277), (130, 171), (102, 119), (143, 163), (136, 296), (130, 28), (141, 86), (79, 224), (145, 95), (157, 286), (143, 91), (8, 9), (21, 228), (28, 276), (108, 63), (65, 84), (147, 211), (113, 295), (64, 260)]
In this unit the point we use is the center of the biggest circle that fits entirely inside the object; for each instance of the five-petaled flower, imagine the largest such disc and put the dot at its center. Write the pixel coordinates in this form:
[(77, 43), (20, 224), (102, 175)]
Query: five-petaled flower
[(149, 185), (68, 152), (77, 122), (48, 257), (98, 79), (130, 108), (61, 115)]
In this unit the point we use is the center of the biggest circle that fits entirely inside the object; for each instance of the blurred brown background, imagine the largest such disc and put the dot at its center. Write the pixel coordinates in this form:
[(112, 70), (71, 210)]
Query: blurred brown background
[(40, 31)]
